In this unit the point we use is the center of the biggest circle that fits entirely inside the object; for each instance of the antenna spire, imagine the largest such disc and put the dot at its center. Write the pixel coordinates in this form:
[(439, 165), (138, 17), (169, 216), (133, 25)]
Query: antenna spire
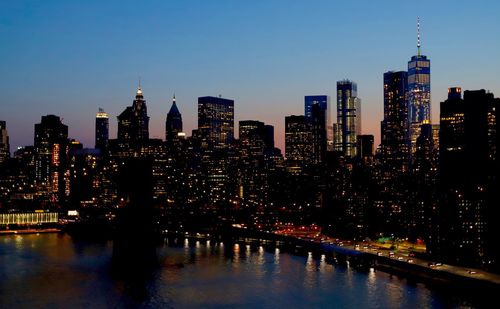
[(418, 36)]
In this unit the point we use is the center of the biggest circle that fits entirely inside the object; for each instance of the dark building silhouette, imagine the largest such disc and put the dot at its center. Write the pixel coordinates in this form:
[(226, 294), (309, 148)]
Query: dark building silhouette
[(51, 146), (173, 123), (4, 142), (468, 177), (216, 122), (319, 133), (365, 148), (394, 127), (84, 169), (101, 130), (134, 240), (269, 136), (348, 118), (425, 155), (325, 104), (133, 122)]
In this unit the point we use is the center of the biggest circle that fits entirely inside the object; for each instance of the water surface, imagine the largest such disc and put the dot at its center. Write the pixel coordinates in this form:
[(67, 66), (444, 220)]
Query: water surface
[(56, 271)]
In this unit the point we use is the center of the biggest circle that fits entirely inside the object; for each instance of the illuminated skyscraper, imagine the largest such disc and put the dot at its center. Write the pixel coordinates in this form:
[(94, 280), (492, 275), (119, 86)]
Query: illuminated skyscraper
[(348, 117), (394, 127), (4, 142), (298, 143), (216, 122), (133, 122), (173, 123), (216, 137), (51, 146), (101, 130), (252, 135), (419, 92)]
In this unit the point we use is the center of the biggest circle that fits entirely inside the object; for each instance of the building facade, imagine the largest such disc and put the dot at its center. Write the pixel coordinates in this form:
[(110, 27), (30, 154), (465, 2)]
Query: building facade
[(394, 127), (348, 117), (133, 122), (216, 122), (419, 93), (101, 130), (298, 143), (324, 103), (173, 123), (469, 169), (51, 147), (4, 142)]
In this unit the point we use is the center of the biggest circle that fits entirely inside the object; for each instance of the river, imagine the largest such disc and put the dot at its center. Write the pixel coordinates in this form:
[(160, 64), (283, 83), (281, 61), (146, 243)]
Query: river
[(57, 271)]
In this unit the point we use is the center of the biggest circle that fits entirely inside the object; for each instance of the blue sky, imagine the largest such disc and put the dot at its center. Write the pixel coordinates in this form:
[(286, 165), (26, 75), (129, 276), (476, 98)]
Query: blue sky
[(70, 57)]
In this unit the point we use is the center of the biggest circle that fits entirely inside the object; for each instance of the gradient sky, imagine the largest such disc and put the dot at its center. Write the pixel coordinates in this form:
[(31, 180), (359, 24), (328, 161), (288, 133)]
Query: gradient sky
[(70, 57)]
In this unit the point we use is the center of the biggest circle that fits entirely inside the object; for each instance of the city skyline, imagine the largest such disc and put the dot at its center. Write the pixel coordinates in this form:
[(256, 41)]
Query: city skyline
[(76, 76), (231, 153)]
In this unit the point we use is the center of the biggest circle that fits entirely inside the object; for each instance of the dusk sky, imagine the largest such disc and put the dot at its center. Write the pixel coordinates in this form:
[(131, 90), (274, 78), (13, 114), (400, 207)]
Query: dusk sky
[(69, 58)]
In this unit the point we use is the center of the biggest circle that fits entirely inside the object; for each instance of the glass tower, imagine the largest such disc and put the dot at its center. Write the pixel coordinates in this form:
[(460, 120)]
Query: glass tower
[(419, 93), (324, 103), (216, 122), (348, 117)]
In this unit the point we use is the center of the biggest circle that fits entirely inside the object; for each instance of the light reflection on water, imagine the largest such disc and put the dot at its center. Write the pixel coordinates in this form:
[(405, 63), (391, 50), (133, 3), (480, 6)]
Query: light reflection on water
[(53, 270)]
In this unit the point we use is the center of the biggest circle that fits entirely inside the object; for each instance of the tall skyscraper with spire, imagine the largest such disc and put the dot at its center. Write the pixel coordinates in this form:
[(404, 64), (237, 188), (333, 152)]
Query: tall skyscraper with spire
[(101, 130), (133, 122), (419, 93), (173, 123)]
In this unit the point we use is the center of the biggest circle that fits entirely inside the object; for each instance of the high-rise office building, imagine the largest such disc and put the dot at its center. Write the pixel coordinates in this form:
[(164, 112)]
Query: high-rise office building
[(51, 146), (252, 135), (319, 136), (216, 122), (325, 104), (298, 143), (419, 93), (101, 130), (4, 142), (348, 117), (394, 127), (469, 169), (133, 122), (215, 137), (173, 123)]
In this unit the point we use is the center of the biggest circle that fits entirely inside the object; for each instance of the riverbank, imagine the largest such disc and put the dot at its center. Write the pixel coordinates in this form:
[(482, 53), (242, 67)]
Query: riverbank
[(365, 258), (29, 231)]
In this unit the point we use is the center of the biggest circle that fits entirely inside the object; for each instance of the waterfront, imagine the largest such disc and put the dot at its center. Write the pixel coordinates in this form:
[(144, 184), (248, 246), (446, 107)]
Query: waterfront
[(56, 271)]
